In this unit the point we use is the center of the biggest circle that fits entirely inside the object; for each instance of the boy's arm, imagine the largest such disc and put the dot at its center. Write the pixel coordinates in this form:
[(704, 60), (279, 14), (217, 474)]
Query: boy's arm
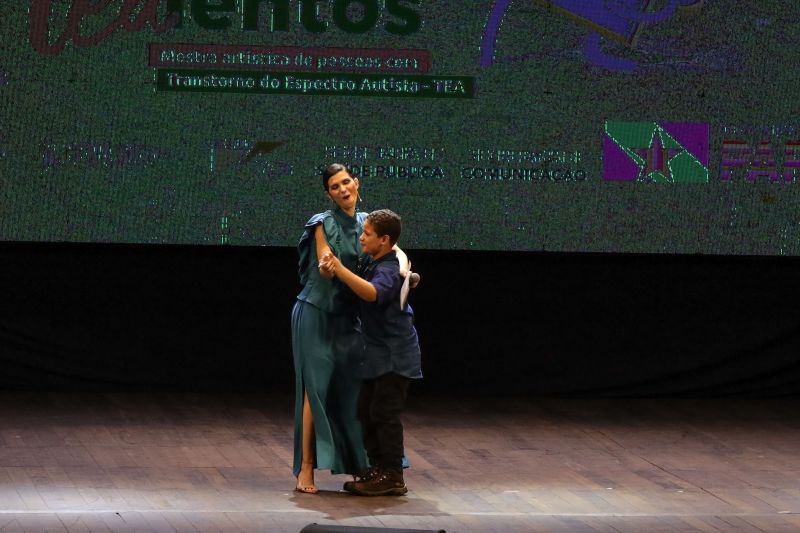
[(363, 288)]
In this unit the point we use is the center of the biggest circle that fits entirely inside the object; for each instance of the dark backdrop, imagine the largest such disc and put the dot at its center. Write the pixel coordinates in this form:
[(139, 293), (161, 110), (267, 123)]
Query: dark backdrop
[(117, 317)]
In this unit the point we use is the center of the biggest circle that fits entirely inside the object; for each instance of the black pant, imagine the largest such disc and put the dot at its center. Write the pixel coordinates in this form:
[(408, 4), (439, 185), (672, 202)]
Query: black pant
[(380, 404)]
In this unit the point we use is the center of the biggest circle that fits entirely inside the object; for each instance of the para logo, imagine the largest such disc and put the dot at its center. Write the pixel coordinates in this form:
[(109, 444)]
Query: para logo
[(656, 152), (754, 161)]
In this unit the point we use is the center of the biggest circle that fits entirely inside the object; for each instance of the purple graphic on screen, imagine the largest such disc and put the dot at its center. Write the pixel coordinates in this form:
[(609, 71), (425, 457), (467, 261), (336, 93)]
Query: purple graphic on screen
[(694, 137), (660, 152), (619, 20), (617, 165), (491, 31)]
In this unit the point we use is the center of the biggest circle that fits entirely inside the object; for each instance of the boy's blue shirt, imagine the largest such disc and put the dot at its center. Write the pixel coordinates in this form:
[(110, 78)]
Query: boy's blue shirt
[(390, 339)]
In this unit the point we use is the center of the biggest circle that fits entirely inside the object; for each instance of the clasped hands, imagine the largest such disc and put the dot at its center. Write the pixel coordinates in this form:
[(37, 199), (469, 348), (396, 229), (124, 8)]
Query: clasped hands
[(328, 265)]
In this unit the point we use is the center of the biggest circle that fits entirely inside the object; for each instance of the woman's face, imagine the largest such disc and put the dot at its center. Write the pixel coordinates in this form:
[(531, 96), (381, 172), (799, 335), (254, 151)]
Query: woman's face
[(343, 189)]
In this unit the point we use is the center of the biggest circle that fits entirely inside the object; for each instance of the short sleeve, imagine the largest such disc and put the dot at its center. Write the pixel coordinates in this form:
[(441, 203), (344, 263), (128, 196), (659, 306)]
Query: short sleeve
[(385, 281), (304, 246), (316, 219)]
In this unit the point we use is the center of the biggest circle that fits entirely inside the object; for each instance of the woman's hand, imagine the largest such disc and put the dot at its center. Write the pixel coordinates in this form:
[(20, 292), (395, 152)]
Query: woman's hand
[(414, 278), (328, 265), (322, 250), (405, 267), (325, 271)]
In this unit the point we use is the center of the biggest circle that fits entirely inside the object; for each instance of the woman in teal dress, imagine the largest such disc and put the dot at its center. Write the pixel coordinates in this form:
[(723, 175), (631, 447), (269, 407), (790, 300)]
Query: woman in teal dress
[(326, 340)]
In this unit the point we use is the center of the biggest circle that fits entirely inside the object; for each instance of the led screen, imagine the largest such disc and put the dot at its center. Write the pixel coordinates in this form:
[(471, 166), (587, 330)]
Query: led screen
[(643, 126)]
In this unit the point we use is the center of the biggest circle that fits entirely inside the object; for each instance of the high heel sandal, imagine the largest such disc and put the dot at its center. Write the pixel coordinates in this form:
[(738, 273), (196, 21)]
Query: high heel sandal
[(305, 489)]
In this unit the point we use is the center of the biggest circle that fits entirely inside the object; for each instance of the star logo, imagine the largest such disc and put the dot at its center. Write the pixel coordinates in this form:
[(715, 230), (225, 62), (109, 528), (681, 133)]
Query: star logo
[(656, 152)]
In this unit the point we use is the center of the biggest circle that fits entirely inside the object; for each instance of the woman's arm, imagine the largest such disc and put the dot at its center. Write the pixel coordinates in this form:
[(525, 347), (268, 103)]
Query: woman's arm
[(322, 250), (402, 258), (405, 267)]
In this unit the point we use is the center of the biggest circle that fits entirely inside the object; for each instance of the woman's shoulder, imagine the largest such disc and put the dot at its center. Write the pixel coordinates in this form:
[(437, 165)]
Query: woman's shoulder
[(319, 218)]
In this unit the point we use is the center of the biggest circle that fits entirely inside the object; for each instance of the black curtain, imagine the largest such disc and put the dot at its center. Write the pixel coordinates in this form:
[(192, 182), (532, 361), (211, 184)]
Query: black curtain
[(183, 318)]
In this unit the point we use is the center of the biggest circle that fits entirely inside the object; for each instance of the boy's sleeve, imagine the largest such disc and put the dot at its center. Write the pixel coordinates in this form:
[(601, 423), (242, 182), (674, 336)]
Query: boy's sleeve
[(385, 281)]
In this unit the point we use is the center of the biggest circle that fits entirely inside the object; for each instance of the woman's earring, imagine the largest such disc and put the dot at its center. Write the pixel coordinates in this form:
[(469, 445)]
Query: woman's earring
[(359, 196)]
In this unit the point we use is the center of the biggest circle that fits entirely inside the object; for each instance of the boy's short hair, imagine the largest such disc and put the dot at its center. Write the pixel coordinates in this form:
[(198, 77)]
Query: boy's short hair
[(386, 222)]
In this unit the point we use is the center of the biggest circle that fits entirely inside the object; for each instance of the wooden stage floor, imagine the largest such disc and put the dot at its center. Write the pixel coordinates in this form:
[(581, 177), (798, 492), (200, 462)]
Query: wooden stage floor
[(159, 462)]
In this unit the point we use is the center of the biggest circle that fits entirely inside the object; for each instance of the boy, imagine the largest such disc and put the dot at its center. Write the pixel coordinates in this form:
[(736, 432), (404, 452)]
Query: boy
[(391, 356)]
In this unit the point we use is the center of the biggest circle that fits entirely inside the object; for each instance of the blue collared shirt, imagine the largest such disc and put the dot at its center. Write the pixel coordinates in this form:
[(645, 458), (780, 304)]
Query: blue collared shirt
[(390, 339)]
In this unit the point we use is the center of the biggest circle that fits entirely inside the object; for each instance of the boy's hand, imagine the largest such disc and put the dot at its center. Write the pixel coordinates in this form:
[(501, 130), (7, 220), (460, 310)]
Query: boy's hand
[(329, 263)]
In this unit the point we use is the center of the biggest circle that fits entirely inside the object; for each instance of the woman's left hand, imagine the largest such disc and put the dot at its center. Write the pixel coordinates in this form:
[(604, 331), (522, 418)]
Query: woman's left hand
[(329, 263)]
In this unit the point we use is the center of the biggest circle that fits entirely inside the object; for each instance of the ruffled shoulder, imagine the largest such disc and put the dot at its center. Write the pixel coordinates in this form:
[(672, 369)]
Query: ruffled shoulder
[(304, 246), (313, 221)]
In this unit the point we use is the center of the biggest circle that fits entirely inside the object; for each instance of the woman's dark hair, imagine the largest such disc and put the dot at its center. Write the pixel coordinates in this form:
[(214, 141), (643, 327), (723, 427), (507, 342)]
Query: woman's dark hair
[(330, 171)]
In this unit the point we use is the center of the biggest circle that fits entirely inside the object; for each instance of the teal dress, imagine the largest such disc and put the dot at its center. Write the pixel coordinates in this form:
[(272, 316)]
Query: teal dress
[(326, 346)]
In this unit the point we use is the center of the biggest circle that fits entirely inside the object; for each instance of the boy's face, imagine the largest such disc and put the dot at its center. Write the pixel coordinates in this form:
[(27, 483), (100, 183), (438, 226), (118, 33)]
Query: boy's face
[(370, 242)]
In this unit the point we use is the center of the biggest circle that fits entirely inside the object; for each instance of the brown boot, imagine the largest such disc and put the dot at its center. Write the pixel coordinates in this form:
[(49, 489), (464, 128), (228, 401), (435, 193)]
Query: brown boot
[(371, 473), (388, 482)]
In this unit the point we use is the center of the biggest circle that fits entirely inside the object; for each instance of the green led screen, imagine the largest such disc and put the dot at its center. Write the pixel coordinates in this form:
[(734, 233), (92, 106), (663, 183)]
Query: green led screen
[(643, 126)]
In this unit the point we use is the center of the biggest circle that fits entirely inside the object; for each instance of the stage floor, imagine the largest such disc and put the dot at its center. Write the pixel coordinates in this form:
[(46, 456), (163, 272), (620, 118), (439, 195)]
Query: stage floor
[(160, 462)]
